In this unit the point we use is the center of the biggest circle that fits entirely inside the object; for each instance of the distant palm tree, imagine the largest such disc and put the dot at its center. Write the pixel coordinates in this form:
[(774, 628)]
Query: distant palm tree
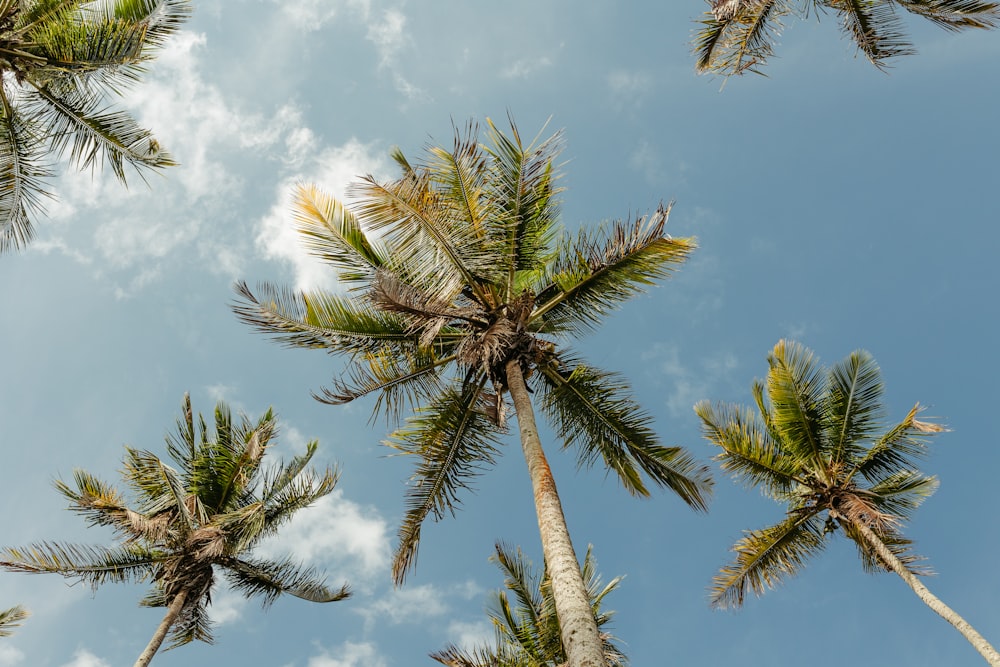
[(527, 632), (59, 60), (462, 290), (817, 443), (11, 618), (738, 36), (187, 523)]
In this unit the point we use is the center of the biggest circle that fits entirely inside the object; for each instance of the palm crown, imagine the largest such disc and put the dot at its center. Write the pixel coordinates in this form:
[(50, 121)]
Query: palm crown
[(738, 35), (457, 269), (186, 523), (527, 629), (59, 60)]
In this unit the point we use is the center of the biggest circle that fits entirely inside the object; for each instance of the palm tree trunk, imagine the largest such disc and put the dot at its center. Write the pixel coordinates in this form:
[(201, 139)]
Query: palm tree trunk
[(580, 637), (931, 600), (173, 611)]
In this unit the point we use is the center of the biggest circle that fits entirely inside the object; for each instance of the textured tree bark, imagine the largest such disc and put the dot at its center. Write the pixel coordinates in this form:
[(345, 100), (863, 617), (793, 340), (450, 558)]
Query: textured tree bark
[(173, 611), (580, 637), (944, 611)]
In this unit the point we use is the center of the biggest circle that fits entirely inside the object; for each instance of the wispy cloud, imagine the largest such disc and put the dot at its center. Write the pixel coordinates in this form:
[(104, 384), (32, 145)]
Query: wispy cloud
[(689, 382), (349, 654), (84, 658)]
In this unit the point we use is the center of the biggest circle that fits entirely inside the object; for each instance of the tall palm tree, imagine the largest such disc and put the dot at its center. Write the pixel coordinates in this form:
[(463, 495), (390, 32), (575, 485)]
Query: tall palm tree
[(737, 36), (11, 618), (527, 632), (59, 61), (189, 523), (818, 444), (462, 290)]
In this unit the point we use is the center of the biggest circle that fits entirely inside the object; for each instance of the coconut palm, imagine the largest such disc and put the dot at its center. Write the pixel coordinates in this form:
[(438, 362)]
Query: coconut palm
[(188, 524), (59, 61), (738, 36), (527, 632), (461, 292), (818, 443), (11, 618)]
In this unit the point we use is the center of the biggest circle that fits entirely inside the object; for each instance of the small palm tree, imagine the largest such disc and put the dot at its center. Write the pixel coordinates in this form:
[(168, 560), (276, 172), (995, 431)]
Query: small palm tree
[(818, 444), (528, 633), (462, 291), (11, 618), (59, 60), (738, 36), (189, 523)]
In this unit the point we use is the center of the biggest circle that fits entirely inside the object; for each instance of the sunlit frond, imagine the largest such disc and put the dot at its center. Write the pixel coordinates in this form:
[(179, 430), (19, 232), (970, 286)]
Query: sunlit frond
[(270, 579), (765, 558), (594, 412), (875, 28), (854, 406), (92, 565), (596, 272), (795, 387), (23, 171), (902, 492), (955, 14), (740, 40), (11, 618), (899, 448), (453, 439)]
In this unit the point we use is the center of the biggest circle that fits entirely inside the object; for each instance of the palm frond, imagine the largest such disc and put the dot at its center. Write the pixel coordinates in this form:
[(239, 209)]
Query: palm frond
[(23, 170), (875, 28), (159, 18), (899, 546), (764, 558), (748, 451), (955, 15), (479, 656), (102, 505), (795, 386), (453, 438), (593, 411), (159, 487), (902, 492), (332, 233), (269, 579), (193, 623), (595, 273), (11, 618), (519, 579), (854, 408), (899, 448), (741, 40), (92, 565)]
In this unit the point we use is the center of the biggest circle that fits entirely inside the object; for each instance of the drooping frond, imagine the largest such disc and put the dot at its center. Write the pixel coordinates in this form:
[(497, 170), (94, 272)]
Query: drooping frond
[(596, 272), (875, 28), (453, 438), (955, 14), (270, 579), (332, 233), (23, 170), (193, 623), (898, 449), (899, 546), (902, 492), (740, 39), (854, 406), (795, 387), (92, 565), (748, 453), (11, 618), (158, 486), (764, 558), (593, 411), (102, 505)]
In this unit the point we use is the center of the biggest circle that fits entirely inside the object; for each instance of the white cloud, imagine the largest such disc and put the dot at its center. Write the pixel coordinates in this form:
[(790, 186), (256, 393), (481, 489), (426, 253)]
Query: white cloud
[(84, 658), (349, 654), (333, 170), (351, 542), (388, 35), (631, 84), (227, 606), (414, 603), (315, 14), (10, 655), (471, 635), (525, 67), (689, 385)]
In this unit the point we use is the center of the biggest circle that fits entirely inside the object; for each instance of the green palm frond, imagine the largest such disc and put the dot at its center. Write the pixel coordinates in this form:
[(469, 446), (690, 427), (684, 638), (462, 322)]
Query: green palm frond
[(748, 453), (902, 492), (11, 618), (900, 547), (23, 171), (159, 18), (269, 579), (159, 486), (596, 272), (855, 409), (764, 558), (740, 40), (955, 15), (875, 28), (332, 233), (454, 439), (193, 624), (594, 411), (900, 447), (795, 387), (92, 565)]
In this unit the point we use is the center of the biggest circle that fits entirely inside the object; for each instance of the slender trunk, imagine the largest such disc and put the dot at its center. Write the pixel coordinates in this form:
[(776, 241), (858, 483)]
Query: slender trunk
[(173, 611), (931, 600), (580, 637)]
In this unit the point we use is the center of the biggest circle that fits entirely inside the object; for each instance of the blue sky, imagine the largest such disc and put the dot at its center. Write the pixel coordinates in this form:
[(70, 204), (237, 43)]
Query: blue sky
[(833, 203)]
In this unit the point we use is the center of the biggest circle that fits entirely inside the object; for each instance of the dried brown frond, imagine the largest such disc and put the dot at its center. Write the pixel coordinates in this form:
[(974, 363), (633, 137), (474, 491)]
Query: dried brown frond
[(207, 543), (854, 507)]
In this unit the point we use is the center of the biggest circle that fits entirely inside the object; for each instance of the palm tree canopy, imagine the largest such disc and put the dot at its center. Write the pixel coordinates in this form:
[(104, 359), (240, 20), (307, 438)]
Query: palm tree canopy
[(455, 269), (817, 442), (11, 618), (527, 629), (59, 61), (738, 36), (188, 522)]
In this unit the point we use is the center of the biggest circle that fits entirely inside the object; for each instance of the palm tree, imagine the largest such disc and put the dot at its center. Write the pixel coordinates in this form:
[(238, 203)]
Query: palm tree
[(59, 60), (818, 444), (188, 523), (462, 290), (11, 618), (738, 36), (527, 634)]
